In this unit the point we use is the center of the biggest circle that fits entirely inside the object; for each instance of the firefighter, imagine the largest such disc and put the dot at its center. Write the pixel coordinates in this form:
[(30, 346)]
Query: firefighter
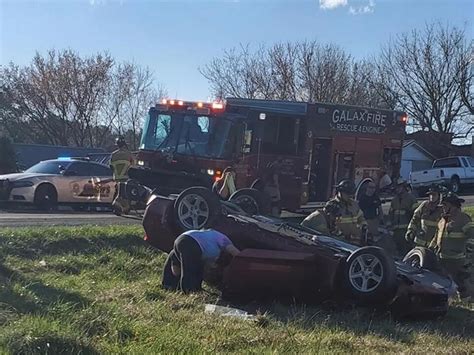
[(272, 185), (401, 211), (371, 206), (423, 225), (225, 186), (454, 230), (352, 223), (324, 221), (120, 162)]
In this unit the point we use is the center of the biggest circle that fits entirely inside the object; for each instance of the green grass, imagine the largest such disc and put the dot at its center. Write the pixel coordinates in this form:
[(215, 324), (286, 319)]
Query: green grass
[(97, 290), (470, 211)]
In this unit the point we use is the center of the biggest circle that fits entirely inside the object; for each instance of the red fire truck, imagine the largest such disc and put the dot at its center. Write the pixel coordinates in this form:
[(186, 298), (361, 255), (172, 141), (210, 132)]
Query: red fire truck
[(315, 145)]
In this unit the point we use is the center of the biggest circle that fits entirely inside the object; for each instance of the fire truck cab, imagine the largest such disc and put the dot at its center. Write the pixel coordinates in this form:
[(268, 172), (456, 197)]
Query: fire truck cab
[(313, 145)]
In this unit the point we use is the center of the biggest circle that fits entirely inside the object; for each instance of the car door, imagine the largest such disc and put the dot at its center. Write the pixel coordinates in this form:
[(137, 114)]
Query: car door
[(104, 185), (470, 170), (76, 183)]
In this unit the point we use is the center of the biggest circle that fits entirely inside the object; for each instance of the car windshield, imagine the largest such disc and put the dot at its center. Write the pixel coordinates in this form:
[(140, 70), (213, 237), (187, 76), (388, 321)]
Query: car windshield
[(48, 167), (189, 134)]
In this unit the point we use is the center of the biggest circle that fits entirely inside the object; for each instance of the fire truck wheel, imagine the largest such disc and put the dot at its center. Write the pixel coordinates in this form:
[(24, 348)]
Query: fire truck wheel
[(360, 191), (196, 208), (422, 258), (252, 201), (369, 276)]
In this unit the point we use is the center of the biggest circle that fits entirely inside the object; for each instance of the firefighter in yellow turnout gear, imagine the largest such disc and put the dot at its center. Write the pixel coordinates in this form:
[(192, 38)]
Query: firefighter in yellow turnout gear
[(324, 221), (454, 230), (401, 211), (120, 162), (424, 223), (352, 223)]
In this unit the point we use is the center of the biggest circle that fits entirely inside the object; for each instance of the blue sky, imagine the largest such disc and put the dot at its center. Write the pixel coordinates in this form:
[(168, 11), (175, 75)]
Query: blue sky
[(175, 37)]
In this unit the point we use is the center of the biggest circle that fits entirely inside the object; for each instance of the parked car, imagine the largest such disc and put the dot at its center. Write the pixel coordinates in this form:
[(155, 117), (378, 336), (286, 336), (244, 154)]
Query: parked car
[(284, 259), (77, 182), (452, 172)]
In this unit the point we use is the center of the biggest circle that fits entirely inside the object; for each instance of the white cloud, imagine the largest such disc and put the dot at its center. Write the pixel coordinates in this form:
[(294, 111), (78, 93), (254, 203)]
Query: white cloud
[(331, 4), (363, 9), (356, 7)]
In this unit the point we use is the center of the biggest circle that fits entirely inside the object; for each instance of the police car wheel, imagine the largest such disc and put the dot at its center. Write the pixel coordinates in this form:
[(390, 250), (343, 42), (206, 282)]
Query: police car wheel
[(369, 276), (46, 197), (196, 208), (422, 258)]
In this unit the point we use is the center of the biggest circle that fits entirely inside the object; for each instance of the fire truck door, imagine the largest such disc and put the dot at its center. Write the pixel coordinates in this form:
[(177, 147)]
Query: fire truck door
[(343, 167), (319, 174)]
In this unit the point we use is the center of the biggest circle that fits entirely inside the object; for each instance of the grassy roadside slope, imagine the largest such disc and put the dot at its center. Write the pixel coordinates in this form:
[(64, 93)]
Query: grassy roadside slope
[(96, 290)]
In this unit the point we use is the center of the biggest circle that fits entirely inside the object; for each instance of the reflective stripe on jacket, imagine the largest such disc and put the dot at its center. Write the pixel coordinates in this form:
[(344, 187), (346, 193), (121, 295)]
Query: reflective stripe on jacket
[(121, 160), (351, 221), (452, 236), (424, 222), (317, 221), (401, 210)]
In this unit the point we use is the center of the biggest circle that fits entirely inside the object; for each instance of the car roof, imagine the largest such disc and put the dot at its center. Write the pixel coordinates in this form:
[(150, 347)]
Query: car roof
[(73, 160)]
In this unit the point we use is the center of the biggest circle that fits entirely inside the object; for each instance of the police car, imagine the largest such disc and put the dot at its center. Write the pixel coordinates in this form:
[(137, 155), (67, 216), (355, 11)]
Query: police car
[(74, 181)]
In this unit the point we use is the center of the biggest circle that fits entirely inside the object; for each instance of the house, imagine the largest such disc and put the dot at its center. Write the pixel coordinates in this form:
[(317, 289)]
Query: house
[(414, 158), (421, 148)]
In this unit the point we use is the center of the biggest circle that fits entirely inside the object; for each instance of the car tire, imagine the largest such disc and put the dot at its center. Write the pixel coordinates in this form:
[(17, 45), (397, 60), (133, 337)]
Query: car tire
[(369, 276), (252, 201), (423, 258), (46, 197), (455, 184), (196, 208)]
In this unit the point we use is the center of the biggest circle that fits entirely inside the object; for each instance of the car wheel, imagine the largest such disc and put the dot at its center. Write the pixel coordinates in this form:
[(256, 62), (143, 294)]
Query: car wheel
[(196, 208), (455, 184), (252, 201), (46, 197), (422, 258), (369, 275)]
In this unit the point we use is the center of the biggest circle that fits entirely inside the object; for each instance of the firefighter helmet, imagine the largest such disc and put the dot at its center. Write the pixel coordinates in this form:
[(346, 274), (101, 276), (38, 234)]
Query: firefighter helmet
[(346, 186), (435, 188), (120, 141), (452, 198)]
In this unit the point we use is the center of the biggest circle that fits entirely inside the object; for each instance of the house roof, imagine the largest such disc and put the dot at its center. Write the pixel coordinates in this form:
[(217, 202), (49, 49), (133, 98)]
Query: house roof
[(413, 143)]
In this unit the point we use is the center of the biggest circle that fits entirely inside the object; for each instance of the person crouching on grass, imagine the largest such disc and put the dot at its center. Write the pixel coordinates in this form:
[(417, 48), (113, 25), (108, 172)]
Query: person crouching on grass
[(192, 252)]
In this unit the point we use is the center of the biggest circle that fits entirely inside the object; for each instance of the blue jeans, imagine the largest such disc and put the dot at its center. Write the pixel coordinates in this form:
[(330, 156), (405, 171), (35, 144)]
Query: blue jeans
[(187, 255)]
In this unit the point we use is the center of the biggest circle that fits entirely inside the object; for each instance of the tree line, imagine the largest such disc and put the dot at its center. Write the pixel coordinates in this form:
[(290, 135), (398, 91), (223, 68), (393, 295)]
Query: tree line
[(427, 73), (62, 98)]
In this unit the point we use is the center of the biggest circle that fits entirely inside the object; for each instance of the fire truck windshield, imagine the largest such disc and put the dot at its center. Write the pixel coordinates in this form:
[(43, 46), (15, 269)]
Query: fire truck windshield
[(188, 134)]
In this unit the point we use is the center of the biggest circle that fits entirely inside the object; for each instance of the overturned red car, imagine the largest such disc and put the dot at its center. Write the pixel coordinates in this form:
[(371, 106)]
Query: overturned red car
[(280, 259)]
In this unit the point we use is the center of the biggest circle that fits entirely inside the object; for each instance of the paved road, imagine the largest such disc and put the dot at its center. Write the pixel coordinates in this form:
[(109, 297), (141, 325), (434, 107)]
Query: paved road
[(63, 218), (22, 219)]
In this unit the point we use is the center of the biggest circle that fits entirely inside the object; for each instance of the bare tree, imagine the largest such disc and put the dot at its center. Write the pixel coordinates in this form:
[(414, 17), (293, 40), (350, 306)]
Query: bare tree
[(425, 71), (307, 71), (143, 94), (65, 99), (58, 95)]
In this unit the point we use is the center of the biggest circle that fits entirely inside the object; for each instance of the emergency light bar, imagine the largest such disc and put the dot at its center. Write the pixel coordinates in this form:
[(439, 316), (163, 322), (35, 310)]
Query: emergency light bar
[(166, 104)]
